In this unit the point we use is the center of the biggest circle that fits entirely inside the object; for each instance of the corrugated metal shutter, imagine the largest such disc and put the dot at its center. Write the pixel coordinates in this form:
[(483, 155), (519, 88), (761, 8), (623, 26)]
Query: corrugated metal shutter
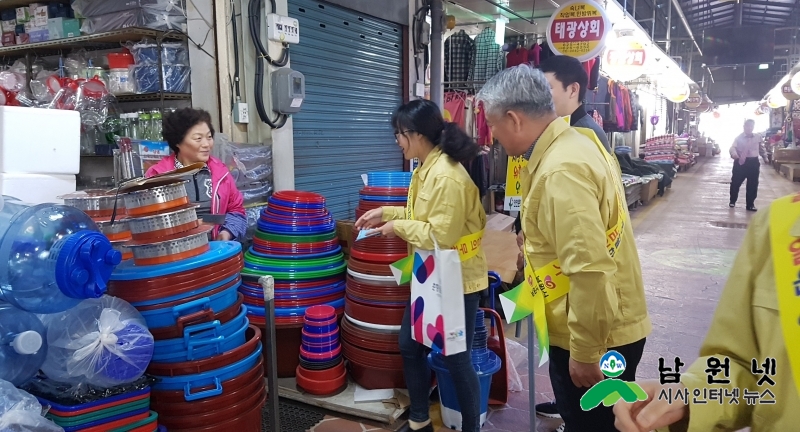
[(354, 69)]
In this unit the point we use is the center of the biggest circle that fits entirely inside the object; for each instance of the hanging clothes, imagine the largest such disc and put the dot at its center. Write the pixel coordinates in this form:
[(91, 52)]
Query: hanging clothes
[(516, 57), (546, 51), (489, 57), (459, 55), (484, 132), (637, 111), (534, 55), (594, 75), (454, 104)]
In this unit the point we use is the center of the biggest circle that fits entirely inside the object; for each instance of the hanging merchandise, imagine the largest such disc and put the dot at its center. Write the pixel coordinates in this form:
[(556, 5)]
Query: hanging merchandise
[(578, 29), (625, 59), (534, 55), (489, 56), (454, 108), (295, 243), (459, 57), (517, 56)]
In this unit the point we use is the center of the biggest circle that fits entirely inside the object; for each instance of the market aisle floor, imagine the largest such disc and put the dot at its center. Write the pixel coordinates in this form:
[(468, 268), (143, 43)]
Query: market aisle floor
[(687, 241)]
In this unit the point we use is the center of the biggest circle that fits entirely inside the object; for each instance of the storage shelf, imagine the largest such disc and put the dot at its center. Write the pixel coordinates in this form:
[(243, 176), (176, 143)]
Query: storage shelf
[(153, 97), (98, 40)]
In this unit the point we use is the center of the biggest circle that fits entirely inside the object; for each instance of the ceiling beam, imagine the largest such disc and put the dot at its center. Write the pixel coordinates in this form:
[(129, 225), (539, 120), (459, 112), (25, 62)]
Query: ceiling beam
[(705, 8)]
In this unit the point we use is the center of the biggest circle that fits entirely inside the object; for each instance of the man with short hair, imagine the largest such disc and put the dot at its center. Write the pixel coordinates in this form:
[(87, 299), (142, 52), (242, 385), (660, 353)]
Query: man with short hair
[(568, 84), (572, 200), (746, 166)]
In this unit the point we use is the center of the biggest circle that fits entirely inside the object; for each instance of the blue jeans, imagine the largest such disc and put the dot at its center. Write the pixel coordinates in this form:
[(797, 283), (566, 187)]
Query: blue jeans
[(418, 374)]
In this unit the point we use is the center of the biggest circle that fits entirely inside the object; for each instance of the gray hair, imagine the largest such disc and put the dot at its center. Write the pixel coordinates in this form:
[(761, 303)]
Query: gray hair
[(520, 88)]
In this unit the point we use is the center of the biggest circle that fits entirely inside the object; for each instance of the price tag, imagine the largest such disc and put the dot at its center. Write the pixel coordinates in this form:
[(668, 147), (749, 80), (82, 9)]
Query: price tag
[(513, 200)]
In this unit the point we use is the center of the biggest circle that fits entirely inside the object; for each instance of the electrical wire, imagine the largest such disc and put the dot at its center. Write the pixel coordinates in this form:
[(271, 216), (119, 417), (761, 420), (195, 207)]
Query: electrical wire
[(235, 51), (254, 9)]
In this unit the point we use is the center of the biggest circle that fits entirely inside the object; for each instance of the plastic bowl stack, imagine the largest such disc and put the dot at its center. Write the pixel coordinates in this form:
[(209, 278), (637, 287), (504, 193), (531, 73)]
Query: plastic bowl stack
[(321, 370), (186, 288), (375, 304), (295, 243)]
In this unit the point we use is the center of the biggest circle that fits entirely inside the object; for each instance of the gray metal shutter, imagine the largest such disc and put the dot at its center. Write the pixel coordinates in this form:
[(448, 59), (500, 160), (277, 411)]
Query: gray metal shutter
[(354, 70)]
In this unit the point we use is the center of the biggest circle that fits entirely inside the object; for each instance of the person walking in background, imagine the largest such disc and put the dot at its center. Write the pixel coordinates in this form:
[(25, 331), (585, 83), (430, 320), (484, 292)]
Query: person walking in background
[(572, 199), (746, 166)]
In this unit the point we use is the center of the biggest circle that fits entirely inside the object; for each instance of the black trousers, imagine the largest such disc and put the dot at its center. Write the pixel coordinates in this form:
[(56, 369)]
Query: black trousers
[(750, 172), (568, 396)]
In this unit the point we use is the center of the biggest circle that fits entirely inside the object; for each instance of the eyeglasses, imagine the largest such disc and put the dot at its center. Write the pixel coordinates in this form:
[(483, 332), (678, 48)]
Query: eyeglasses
[(397, 134)]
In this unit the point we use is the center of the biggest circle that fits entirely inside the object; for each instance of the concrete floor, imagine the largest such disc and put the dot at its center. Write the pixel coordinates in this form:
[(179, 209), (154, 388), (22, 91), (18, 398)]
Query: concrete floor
[(687, 240)]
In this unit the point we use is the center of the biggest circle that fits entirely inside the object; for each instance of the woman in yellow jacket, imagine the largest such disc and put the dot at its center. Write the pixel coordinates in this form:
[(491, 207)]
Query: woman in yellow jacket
[(445, 203), (755, 328)]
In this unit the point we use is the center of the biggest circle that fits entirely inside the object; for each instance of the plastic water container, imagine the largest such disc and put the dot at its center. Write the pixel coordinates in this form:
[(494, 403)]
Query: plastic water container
[(51, 257), (103, 342), (22, 348)]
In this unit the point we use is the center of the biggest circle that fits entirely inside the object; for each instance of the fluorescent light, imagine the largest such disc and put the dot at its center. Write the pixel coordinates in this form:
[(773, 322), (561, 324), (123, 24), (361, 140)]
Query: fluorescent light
[(763, 66), (500, 30)]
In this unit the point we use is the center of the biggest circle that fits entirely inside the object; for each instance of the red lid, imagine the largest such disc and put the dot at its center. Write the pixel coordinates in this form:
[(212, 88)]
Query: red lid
[(3, 98), (300, 197), (53, 84), (94, 88)]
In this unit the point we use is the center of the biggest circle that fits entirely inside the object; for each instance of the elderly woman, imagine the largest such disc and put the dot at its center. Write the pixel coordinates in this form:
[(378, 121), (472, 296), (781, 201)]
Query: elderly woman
[(190, 136)]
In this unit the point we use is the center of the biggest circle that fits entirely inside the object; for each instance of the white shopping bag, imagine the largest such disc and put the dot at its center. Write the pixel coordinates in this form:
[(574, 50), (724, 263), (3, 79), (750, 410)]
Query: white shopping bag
[(437, 301)]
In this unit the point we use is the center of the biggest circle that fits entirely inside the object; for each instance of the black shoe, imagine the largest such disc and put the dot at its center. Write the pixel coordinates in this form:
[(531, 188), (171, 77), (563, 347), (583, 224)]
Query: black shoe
[(547, 410), (732, 205), (752, 209)]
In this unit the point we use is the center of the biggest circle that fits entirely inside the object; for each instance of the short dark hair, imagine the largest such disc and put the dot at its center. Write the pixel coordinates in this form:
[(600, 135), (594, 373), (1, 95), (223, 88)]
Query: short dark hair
[(567, 70), (178, 123)]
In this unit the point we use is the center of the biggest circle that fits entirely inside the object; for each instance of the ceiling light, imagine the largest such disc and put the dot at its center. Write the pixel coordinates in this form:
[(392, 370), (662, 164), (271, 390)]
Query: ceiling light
[(500, 29), (763, 66)]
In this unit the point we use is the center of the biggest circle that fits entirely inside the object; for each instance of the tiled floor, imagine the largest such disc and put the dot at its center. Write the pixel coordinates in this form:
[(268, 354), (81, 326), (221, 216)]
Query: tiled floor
[(685, 257)]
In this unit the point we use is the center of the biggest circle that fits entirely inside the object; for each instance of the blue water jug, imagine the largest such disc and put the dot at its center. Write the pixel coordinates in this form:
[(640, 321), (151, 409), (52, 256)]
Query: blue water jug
[(22, 348), (51, 257)]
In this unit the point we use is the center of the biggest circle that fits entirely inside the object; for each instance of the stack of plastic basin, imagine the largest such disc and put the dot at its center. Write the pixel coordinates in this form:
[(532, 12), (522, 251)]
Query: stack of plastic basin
[(321, 370), (124, 412), (295, 243), (186, 288), (375, 304), (486, 363)]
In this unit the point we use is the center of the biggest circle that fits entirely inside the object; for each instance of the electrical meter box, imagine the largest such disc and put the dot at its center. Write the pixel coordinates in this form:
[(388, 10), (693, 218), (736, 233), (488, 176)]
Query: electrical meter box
[(288, 90), (283, 29)]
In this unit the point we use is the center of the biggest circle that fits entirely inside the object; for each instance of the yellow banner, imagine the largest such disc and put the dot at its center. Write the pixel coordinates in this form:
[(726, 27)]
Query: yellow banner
[(784, 213), (513, 200)]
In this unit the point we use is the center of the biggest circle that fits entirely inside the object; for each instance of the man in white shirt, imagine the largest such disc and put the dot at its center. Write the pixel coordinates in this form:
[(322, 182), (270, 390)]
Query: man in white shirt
[(746, 165)]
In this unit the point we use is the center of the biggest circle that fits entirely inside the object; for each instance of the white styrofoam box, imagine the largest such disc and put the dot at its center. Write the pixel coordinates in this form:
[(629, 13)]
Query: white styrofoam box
[(37, 188), (39, 141)]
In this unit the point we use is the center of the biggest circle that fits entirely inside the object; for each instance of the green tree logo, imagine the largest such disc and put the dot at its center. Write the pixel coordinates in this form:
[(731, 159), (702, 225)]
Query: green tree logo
[(611, 390)]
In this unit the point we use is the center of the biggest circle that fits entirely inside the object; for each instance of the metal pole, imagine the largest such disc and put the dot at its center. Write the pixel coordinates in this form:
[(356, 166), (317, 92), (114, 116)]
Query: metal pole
[(499, 6), (634, 10), (273, 404), (531, 372), (653, 32), (437, 53), (669, 27)]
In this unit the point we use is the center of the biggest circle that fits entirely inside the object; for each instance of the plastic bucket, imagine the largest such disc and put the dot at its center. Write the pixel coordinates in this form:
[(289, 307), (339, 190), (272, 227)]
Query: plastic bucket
[(451, 411), (203, 340)]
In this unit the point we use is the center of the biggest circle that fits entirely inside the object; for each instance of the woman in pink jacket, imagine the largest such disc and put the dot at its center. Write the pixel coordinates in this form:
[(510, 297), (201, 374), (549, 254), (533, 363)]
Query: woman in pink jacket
[(190, 136)]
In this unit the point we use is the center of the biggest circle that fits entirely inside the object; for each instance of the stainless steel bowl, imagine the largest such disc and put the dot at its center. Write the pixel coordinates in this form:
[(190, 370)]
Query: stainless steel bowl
[(135, 201)]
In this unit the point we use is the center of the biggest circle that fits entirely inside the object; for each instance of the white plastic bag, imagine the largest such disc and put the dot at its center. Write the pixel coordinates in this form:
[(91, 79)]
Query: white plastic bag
[(21, 412), (104, 342), (516, 356)]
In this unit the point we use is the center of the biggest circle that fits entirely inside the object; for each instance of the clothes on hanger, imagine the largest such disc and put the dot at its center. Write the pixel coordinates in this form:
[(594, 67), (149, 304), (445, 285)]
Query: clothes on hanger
[(594, 75), (454, 104), (489, 58), (516, 57), (546, 51), (534, 55), (459, 56)]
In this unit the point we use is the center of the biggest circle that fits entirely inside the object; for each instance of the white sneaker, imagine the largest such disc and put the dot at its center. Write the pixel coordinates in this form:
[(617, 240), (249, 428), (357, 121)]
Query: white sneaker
[(561, 428)]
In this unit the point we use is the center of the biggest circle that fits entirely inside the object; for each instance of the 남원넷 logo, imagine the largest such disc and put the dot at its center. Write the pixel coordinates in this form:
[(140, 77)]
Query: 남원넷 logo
[(611, 390)]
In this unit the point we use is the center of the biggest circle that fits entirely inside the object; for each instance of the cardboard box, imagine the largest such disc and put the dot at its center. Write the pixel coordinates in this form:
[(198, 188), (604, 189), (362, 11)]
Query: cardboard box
[(791, 171), (39, 36), (9, 38), (649, 191), (40, 15), (61, 28), (499, 222), (23, 15), (23, 39), (8, 26), (344, 230), (31, 27)]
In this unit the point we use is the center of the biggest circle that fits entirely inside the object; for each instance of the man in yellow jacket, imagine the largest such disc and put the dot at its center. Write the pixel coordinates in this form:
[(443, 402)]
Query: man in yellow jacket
[(753, 344), (573, 215)]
